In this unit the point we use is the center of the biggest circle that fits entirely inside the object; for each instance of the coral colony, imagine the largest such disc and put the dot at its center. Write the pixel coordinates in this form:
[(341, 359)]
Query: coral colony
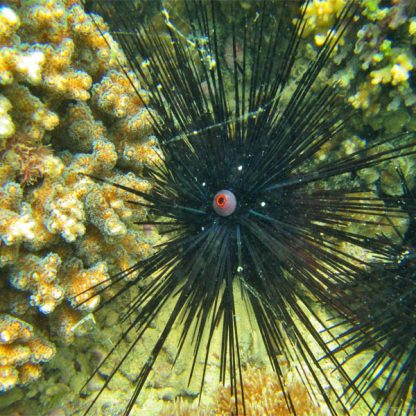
[(218, 196), (61, 114)]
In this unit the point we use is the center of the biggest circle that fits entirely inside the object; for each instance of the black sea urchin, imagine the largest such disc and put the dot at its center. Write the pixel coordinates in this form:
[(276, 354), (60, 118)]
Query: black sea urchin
[(251, 211), (384, 309)]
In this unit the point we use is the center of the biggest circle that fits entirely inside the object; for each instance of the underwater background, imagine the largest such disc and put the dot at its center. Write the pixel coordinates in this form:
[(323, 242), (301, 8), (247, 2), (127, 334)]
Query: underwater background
[(66, 107)]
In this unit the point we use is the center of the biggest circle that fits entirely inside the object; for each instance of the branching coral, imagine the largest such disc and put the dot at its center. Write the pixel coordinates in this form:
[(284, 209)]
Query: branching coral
[(378, 68), (16, 221), (39, 277), (382, 58), (6, 124), (386, 63), (65, 110), (21, 352), (321, 16), (79, 282)]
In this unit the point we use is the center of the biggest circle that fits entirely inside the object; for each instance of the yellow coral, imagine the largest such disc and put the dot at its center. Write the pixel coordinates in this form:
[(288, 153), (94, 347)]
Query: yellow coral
[(39, 277), (401, 69), (51, 53), (29, 372), (115, 95), (13, 329), (7, 127), (395, 73), (64, 214), (31, 114), (364, 98), (263, 395), (20, 352), (9, 377), (11, 355), (41, 351), (9, 23), (80, 127), (320, 16), (81, 284)]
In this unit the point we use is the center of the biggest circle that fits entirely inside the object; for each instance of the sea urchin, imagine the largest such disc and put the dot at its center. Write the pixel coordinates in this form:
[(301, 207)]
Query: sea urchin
[(249, 213), (384, 315)]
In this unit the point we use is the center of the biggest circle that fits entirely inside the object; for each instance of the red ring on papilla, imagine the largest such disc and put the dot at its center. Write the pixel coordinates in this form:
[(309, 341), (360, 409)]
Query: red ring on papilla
[(224, 203)]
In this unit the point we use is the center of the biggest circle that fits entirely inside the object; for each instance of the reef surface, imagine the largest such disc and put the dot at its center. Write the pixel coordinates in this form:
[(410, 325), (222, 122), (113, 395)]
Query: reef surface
[(67, 109)]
